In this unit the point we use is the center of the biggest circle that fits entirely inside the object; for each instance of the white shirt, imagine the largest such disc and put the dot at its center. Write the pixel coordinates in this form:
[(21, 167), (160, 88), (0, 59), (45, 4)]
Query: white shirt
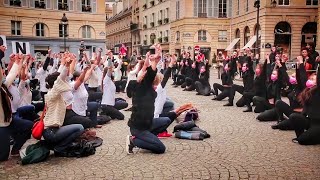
[(160, 100), (67, 97), (94, 79), (16, 98), (109, 92), (117, 73), (42, 74), (26, 94), (132, 75), (80, 99)]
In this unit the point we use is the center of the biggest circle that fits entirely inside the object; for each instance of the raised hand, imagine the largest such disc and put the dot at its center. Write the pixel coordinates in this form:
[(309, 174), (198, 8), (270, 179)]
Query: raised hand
[(299, 60)]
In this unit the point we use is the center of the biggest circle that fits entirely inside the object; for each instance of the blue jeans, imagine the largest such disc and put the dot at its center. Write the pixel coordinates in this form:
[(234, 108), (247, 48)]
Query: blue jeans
[(92, 110), (148, 139), (27, 112), (61, 138), (19, 130), (168, 106)]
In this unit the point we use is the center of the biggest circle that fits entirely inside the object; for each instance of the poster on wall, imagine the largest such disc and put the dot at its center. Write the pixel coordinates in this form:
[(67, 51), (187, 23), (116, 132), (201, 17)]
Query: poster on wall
[(20, 47)]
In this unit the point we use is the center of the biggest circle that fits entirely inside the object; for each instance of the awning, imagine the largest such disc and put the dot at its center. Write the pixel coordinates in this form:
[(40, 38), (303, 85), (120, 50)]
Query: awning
[(251, 42), (232, 44)]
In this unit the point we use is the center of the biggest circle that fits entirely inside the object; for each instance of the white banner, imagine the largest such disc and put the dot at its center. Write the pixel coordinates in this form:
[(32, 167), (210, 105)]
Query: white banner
[(20, 47)]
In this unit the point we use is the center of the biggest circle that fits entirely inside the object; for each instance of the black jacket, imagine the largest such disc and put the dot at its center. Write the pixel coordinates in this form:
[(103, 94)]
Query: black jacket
[(143, 98), (248, 78)]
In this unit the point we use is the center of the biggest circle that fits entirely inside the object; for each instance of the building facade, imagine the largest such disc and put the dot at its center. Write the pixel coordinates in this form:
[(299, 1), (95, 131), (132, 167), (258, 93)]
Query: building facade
[(118, 27), (136, 26), (39, 23), (200, 25), (155, 18), (288, 24)]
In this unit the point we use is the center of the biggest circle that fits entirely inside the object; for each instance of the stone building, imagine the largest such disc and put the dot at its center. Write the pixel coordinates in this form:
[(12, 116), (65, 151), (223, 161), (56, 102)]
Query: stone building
[(118, 27), (39, 23)]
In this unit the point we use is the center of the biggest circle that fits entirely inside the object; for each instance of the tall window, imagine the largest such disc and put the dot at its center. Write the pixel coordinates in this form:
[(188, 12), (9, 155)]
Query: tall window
[(238, 7), (247, 5), (16, 28), (86, 6), (178, 10), (284, 2), (15, 2), (40, 29), (63, 5), (222, 35), (63, 30), (246, 35), (312, 2), (222, 8), (40, 4), (202, 35), (178, 35), (86, 31), (200, 8)]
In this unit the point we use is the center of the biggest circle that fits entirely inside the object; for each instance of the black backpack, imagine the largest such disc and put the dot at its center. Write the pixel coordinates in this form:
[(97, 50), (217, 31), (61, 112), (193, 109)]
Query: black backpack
[(78, 149)]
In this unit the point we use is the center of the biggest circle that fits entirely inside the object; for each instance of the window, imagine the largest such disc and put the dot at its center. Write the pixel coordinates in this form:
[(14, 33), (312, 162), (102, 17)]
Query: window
[(178, 35), (222, 36), (222, 8), (86, 31), (238, 7), (246, 35), (40, 4), (312, 2), (15, 3), (200, 8), (284, 2), (16, 28), (178, 10), (86, 6), (63, 30), (247, 5), (40, 29), (202, 35), (63, 5)]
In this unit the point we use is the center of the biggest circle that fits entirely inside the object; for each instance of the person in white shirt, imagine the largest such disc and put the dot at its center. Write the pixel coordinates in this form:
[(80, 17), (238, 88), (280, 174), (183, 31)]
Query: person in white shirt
[(109, 105), (42, 73), (133, 71), (117, 74)]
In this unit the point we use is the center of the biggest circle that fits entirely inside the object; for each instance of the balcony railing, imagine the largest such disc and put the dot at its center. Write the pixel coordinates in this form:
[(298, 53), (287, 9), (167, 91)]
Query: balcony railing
[(160, 21), (222, 15), (166, 20), (63, 7), (165, 39), (152, 3), (152, 24), (134, 26), (160, 40), (86, 8), (15, 3), (202, 15), (40, 5)]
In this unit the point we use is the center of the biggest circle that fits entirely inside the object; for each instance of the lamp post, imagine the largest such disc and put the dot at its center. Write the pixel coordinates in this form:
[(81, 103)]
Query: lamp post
[(257, 5), (64, 22)]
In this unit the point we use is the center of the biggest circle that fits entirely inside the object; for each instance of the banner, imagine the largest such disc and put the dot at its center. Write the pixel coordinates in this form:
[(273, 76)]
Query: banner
[(20, 47), (3, 40)]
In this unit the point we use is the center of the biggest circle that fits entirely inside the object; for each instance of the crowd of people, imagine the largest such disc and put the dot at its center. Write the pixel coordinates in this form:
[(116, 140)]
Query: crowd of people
[(80, 94)]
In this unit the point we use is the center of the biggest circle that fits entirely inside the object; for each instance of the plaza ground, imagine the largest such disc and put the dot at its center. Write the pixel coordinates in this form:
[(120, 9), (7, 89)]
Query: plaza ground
[(240, 147)]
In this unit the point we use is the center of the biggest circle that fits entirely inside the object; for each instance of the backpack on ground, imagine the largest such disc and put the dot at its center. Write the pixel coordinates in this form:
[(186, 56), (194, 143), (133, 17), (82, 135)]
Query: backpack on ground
[(34, 153)]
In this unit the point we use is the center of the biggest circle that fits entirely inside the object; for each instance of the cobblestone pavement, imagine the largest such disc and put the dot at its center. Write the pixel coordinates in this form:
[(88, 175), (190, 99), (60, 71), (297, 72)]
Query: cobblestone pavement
[(240, 147)]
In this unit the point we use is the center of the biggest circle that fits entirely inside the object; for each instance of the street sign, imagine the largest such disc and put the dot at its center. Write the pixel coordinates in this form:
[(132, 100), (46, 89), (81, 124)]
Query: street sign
[(20, 47)]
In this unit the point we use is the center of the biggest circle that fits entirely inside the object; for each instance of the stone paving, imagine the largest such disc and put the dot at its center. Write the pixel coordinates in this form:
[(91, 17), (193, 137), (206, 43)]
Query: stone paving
[(240, 147)]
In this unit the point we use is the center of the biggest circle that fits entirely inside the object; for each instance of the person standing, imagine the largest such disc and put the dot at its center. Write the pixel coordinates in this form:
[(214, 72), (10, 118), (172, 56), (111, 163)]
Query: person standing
[(220, 60)]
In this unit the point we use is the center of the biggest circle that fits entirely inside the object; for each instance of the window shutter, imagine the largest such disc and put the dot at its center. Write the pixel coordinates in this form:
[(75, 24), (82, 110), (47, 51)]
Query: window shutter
[(79, 6), (31, 3), (210, 8), (48, 5), (71, 5), (24, 3), (195, 8), (54, 4), (215, 8), (94, 6), (229, 8)]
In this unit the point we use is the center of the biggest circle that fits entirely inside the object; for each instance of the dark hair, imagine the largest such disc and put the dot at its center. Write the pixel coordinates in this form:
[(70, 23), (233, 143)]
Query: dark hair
[(307, 93), (50, 79), (75, 75)]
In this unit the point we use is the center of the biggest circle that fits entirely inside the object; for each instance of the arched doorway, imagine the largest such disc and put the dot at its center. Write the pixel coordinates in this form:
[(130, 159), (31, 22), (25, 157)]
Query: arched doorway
[(237, 46), (309, 34), (282, 37), (246, 35)]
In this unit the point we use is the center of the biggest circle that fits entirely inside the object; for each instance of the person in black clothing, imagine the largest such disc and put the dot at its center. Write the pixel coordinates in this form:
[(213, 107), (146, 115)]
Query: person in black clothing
[(194, 76), (248, 76), (143, 127), (240, 62), (312, 55), (259, 86), (233, 67), (307, 123), (273, 54), (188, 70), (273, 90), (227, 82), (202, 85)]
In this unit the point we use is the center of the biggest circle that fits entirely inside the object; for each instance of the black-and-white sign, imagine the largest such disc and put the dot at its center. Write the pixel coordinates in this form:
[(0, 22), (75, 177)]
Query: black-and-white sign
[(20, 47), (3, 40)]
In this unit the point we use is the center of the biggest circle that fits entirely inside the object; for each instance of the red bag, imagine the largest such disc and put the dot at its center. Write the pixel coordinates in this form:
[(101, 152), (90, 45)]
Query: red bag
[(38, 127)]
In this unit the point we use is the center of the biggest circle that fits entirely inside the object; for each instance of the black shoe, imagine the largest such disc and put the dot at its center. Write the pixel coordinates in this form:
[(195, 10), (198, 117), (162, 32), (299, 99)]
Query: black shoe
[(275, 126), (248, 110), (295, 140), (228, 104), (129, 145)]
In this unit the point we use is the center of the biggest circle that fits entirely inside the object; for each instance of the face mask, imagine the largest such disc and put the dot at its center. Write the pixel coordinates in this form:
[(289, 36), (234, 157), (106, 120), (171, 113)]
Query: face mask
[(293, 80), (244, 69), (310, 84), (49, 68), (274, 77), (202, 70), (16, 81)]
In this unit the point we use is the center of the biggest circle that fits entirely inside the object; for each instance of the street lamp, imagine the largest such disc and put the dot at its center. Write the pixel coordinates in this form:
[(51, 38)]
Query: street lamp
[(257, 5), (64, 22)]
